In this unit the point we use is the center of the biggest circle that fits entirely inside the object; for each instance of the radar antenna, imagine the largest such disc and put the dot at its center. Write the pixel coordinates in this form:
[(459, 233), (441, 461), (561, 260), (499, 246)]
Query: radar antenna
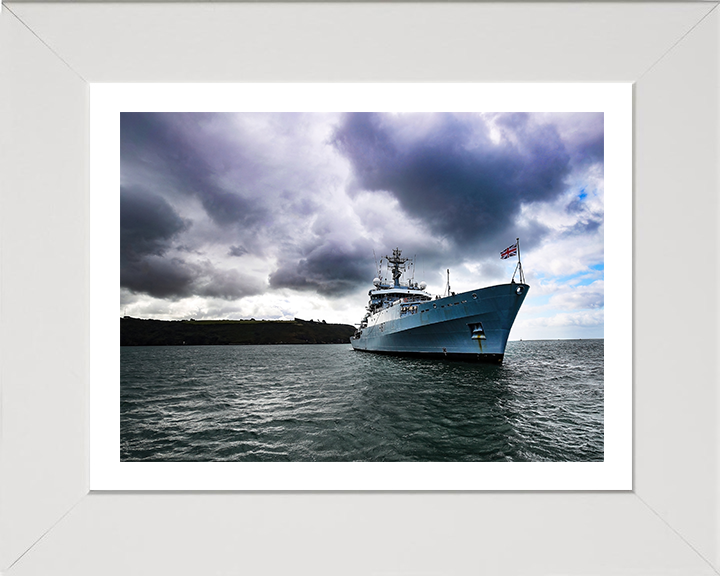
[(398, 266)]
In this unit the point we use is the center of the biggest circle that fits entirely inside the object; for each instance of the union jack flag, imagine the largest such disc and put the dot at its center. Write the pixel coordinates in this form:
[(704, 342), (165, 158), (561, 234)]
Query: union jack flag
[(509, 251)]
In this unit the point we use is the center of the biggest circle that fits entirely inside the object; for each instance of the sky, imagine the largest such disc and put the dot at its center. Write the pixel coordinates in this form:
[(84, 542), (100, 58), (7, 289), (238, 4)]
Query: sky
[(284, 215)]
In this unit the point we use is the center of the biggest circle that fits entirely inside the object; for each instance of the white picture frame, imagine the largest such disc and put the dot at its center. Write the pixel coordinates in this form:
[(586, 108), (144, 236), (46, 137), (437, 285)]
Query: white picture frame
[(668, 524)]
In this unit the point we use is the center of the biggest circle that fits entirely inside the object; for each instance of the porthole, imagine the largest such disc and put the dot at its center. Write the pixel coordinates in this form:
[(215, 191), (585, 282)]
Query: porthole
[(475, 296), (519, 290)]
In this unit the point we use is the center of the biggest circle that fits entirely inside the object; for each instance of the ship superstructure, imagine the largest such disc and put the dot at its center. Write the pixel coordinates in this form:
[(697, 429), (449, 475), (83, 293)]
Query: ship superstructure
[(404, 319)]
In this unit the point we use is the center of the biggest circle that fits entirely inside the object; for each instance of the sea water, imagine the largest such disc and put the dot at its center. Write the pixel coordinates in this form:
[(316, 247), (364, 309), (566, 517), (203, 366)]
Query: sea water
[(330, 403)]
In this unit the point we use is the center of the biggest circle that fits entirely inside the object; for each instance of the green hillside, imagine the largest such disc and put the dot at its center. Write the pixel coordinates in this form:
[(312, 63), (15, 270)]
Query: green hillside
[(139, 332)]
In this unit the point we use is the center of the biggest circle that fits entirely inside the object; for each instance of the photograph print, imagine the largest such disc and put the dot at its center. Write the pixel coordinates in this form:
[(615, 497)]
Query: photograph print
[(362, 287)]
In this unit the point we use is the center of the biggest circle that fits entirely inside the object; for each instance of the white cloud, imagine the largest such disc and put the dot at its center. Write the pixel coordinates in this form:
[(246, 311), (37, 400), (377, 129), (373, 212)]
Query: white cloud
[(564, 319)]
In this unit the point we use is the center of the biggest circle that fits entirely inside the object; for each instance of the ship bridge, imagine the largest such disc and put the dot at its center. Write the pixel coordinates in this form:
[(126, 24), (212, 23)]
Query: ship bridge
[(400, 292), (384, 297)]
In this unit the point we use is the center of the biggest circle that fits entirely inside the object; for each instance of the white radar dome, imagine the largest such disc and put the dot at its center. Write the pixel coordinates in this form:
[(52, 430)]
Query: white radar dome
[(376, 281), (423, 285)]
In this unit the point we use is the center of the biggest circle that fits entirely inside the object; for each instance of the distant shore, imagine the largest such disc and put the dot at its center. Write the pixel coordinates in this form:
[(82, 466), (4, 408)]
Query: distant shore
[(141, 332)]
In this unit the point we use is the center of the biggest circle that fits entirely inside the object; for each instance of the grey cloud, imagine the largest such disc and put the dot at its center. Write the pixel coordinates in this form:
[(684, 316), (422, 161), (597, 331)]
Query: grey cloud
[(227, 284), (328, 269), (147, 224), (159, 277), (584, 136), (591, 150), (585, 226), (588, 217), (237, 251), (576, 205), (186, 154), (579, 299), (188, 249), (299, 205), (174, 278)]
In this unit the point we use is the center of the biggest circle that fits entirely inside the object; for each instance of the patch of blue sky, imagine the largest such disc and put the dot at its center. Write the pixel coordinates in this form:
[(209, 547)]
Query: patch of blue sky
[(582, 278), (582, 195), (585, 279), (536, 300)]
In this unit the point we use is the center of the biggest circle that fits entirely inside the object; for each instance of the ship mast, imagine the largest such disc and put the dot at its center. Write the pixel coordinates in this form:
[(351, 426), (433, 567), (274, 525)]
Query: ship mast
[(398, 266)]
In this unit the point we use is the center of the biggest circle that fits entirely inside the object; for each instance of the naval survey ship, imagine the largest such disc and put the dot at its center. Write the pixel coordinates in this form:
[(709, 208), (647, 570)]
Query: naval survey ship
[(403, 319)]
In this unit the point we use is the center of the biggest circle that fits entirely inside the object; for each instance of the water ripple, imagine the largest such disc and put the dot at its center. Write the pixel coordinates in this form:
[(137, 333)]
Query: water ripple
[(329, 403)]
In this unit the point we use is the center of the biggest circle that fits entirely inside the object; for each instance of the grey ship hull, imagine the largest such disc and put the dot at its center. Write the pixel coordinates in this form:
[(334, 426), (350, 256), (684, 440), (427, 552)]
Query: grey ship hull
[(472, 325)]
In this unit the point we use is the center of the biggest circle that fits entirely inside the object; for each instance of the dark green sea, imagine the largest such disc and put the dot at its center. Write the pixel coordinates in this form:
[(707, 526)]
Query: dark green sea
[(329, 403)]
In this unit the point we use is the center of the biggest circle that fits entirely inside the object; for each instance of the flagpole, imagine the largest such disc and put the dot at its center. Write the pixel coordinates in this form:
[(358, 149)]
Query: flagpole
[(522, 276)]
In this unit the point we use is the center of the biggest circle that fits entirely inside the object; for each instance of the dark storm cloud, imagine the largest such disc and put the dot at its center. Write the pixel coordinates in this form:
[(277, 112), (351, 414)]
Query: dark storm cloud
[(237, 251), (186, 154), (174, 278), (454, 177), (147, 224), (329, 270), (148, 227), (588, 226), (159, 277)]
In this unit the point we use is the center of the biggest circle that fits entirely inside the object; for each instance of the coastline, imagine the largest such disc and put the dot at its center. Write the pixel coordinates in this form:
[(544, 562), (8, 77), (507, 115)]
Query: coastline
[(147, 332)]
